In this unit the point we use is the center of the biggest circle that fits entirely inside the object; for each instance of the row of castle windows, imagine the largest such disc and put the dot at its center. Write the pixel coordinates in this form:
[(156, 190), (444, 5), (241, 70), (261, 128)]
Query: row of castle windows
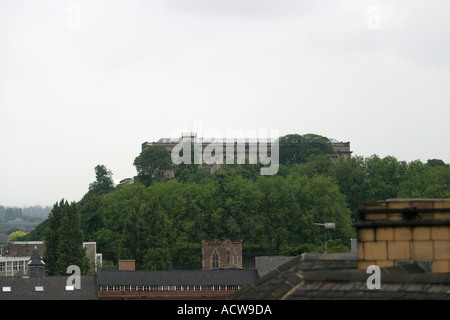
[(169, 288)]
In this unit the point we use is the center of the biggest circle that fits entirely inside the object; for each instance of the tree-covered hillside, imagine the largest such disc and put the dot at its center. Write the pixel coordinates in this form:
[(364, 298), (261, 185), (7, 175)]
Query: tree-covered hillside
[(160, 223)]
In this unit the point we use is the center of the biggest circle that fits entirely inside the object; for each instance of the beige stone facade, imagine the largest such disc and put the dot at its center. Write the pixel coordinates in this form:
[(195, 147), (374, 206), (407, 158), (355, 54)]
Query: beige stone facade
[(395, 231), (341, 149)]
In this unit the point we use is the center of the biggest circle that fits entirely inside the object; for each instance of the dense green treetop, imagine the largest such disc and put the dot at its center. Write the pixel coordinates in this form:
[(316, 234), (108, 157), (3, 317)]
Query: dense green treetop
[(152, 164), (295, 148), (63, 240)]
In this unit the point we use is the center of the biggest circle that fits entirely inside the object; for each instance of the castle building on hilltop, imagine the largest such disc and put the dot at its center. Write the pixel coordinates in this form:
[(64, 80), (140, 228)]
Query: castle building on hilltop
[(341, 150), (250, 148)]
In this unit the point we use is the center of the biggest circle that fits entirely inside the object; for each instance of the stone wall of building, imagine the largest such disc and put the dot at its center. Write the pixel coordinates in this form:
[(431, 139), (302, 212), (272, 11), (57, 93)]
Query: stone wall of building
[(24, 248), (341, 150), (228, 253), (395, 232)]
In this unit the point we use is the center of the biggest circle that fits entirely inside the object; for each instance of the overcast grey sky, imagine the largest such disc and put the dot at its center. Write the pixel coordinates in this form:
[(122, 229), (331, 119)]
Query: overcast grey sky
[(86, 82)]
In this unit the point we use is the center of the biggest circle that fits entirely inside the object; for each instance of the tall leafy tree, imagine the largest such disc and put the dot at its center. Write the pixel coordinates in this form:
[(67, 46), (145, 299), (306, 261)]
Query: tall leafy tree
[(316, 145), (135, 226), (90, 204), (278, 210), (384, 176), (64, 240), (104, 182), (153, 164), (295, 148), (431, 182), (352, 179), (17, 235), (436, 163), (119, 217), (153, 250)]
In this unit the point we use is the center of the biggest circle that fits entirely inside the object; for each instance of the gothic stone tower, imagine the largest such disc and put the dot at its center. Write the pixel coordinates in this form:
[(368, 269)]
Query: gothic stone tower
[(221, 254)]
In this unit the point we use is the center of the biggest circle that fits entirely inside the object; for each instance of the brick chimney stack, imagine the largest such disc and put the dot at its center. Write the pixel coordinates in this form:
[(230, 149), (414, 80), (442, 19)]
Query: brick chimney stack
[(405, 231), (129, 265)]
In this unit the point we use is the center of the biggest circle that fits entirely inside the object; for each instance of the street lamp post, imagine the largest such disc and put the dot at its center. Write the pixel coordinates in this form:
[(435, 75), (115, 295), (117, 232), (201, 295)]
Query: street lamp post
[(326, 226)]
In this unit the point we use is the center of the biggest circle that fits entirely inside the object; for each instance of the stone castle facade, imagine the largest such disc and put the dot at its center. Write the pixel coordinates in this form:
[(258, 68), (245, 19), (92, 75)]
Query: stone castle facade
[(251, 149)]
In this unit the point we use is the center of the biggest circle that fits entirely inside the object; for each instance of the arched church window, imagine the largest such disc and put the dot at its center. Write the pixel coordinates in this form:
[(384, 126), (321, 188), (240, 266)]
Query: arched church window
[(215, 260)]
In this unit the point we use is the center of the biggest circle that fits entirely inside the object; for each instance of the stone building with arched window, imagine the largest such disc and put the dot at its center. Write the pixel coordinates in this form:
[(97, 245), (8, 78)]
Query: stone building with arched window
[(221, 254)]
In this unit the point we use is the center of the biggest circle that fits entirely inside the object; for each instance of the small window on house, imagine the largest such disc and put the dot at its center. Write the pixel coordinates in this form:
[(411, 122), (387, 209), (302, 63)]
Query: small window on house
[(215, 260), (6, 289), (38, 289)]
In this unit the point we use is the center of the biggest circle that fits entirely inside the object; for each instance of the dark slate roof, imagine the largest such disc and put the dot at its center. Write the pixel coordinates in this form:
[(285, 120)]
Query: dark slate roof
[(265, 264), (177, 277), (54, 288), (315, 277)]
